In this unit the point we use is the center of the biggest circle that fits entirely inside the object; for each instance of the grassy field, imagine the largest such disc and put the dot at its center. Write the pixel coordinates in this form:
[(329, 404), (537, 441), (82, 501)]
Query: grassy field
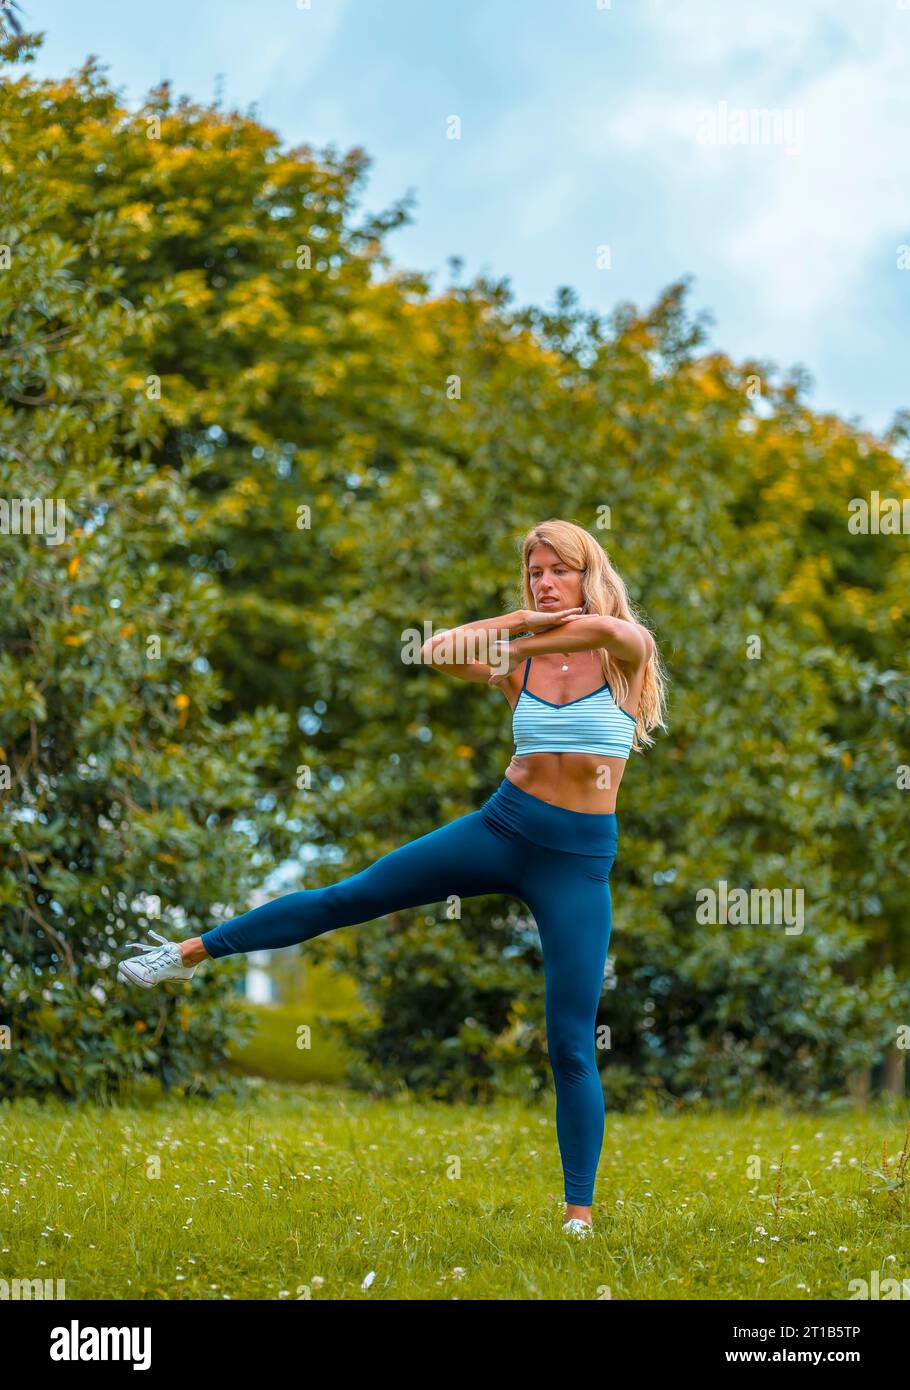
[(319, 1192)]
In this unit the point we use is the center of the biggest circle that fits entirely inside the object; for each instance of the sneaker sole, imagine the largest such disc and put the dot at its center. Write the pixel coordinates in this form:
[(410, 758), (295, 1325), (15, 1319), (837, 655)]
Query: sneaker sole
[(123, 974), (126, 978)]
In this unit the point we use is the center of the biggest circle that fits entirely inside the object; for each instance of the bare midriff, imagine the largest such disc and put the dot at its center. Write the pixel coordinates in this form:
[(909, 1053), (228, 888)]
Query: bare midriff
[(585, 782), (575, 781)]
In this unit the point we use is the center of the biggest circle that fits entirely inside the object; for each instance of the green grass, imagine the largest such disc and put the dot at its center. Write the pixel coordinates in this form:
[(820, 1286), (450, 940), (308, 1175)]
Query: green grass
[(167, 1199)]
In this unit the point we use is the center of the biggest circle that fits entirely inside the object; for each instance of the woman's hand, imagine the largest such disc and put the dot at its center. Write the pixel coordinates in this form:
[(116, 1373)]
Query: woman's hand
[(538, 620), (497, 653)]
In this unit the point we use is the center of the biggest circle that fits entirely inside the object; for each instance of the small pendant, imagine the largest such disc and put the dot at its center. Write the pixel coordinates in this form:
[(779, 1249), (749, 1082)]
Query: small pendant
[(565, 668)]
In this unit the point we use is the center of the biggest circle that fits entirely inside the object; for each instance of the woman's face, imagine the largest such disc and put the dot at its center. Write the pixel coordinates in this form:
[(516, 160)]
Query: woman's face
[(553, 583)]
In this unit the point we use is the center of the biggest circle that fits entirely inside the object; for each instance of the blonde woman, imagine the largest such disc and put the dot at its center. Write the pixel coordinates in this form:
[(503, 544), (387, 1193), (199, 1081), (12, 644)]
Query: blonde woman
[(548, 834)]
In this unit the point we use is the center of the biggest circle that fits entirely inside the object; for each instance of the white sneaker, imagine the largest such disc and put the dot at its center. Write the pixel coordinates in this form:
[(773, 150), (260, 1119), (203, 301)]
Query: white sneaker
[(157, 963), (577, 1227)]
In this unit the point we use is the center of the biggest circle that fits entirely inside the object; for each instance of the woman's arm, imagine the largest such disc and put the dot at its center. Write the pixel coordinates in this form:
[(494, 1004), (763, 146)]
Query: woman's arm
[(503, 626), (458, 650), (474, 651), (622, 639)]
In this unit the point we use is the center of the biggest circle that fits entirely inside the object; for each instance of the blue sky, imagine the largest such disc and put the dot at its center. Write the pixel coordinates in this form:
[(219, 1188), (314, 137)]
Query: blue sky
[(588, 124)]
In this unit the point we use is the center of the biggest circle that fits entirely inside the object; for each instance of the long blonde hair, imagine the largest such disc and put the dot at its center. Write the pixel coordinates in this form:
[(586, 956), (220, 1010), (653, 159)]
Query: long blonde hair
[(604, 592)]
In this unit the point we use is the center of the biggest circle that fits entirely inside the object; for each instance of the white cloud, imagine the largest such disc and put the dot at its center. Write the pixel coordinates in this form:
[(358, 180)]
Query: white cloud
[(801, 226), (279, 44), (824, 213), (776, 31)]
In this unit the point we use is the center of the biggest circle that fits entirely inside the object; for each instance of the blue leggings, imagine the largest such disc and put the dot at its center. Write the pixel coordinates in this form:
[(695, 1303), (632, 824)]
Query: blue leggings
[(558, 863)]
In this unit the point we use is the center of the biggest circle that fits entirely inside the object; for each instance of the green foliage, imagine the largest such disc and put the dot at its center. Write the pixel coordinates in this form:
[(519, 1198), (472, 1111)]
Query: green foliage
[(123, 786), (273, 1051), (456, 1007)]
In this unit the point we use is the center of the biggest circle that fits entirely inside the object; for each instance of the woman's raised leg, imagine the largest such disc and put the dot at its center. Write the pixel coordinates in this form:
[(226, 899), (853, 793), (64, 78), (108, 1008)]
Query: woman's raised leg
[(464, 858)]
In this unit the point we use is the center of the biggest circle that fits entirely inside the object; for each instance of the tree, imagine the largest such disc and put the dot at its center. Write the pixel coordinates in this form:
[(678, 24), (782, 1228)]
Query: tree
[(119, 790)]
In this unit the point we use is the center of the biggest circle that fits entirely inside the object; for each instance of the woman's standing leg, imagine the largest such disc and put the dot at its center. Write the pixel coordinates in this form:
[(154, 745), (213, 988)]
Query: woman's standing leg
[(464, 858), (569, 896)]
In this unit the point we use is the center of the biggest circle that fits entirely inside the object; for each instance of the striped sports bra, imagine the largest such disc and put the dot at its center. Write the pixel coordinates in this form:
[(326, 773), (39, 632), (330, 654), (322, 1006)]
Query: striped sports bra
[(593, 723)]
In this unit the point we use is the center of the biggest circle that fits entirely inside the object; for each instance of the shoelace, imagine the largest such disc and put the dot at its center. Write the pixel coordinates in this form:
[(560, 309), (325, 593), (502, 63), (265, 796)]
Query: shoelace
[(152, 954), (147, 945)]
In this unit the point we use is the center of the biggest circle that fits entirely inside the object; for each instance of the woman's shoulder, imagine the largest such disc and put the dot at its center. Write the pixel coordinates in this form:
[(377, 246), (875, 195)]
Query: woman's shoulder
[(631, 664)]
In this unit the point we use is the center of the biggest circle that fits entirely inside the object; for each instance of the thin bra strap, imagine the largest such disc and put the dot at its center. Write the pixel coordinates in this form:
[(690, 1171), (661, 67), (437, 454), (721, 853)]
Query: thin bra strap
[(527, 669)]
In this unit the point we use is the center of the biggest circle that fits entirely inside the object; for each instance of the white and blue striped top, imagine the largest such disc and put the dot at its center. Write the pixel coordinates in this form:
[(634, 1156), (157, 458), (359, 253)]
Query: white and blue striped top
[(593, 723)]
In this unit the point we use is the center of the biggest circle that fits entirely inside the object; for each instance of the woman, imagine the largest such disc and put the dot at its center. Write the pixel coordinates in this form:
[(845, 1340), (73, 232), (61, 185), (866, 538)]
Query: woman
[(547, 835)]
